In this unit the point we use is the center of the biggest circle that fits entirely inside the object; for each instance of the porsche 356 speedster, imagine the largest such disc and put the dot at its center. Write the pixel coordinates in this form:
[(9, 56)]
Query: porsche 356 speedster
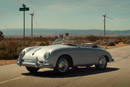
[(63, 55)]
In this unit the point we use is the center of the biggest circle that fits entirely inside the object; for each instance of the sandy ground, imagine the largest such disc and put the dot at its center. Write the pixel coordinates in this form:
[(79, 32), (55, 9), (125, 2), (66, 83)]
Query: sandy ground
[(116, 75)]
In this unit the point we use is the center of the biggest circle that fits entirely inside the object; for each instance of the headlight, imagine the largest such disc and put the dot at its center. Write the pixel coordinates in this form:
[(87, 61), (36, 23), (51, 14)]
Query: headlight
[(46, 55), (22, 54)]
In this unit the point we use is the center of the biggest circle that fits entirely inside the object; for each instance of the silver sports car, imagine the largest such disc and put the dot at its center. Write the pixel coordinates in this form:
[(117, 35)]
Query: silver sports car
[(63, 55)]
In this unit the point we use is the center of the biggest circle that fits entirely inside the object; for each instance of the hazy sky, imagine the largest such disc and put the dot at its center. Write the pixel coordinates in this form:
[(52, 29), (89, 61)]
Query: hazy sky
[(67, 14)]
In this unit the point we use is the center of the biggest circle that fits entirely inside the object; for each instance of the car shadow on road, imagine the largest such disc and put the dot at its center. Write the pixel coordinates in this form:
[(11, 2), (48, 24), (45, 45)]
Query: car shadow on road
[(72, 73)]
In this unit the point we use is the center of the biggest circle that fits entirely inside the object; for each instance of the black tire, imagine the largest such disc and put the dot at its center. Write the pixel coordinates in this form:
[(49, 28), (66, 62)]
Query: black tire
[(75, 68), (32, 69), (102, 63), (62, 65)]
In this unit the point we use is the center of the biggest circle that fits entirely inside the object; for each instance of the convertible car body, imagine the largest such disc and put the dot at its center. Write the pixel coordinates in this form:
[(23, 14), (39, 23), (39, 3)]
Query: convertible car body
[(63, 54)]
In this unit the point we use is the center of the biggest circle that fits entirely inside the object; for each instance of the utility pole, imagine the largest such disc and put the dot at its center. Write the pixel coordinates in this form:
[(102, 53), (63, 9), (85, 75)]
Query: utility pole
[(104, 24), (32, 14), (24, 8)]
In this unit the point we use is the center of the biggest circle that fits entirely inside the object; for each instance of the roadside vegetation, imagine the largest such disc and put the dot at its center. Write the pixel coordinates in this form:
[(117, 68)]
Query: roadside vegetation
[(11, 47)]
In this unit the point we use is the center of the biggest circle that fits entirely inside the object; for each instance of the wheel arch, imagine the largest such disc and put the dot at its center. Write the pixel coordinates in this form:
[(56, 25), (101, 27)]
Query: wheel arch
[(106, 57), (68, 57)]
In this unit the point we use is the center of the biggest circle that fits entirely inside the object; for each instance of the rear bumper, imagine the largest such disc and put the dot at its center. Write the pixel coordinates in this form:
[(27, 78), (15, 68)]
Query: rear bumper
[(34, 63)]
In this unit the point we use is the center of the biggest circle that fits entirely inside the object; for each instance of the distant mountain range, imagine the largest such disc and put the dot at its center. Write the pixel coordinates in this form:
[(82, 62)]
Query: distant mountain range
[(108, 32), (9, 32)]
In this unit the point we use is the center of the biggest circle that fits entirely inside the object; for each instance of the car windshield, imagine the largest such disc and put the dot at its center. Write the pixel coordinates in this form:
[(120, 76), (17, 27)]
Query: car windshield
[(74, 42), (66, 41)]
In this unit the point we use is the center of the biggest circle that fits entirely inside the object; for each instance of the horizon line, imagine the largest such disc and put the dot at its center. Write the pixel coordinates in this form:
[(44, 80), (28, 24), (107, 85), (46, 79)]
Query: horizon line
[(68, 29)]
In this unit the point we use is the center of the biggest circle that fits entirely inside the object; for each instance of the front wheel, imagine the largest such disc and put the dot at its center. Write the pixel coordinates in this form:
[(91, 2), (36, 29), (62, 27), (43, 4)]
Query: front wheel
[(62, 65), (102, 63), (32, 69)]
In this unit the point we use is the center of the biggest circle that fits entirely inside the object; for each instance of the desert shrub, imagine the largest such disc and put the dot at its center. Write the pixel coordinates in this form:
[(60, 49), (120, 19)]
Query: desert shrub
[(19, 49), (99, 42), (2, 45), (125, 39), (119, 39), (111, 44), (92, 38), (7, 55), (10, 49), (10, 53), (103, 43), (3, 54), (44, 43), (127, 42)]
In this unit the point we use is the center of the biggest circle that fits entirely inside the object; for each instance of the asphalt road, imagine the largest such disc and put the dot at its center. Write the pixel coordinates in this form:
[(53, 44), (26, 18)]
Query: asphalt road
[(116, 75)]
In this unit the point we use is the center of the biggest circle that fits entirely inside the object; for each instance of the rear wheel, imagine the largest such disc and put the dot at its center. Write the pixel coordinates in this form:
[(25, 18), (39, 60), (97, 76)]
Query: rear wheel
[(62, 65), (32, 69), (102, 63)]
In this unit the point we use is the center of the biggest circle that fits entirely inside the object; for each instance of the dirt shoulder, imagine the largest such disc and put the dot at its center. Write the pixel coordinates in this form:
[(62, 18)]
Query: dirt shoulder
[(6, 62)]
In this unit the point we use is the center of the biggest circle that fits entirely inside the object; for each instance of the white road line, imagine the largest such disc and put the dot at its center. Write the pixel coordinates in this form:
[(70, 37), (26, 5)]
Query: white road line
[(17, 78)]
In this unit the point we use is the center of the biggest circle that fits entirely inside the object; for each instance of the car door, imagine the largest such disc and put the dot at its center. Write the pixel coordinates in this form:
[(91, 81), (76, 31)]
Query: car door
[(89, 55), (84, 55)]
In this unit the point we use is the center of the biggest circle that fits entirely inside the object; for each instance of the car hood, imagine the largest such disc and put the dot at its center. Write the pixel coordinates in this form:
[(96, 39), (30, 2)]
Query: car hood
[(39, 51)]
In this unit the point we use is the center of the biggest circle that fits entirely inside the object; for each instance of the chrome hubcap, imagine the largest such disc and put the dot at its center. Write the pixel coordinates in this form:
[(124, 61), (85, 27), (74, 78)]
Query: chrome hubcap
[(102, 62), (62, 65)]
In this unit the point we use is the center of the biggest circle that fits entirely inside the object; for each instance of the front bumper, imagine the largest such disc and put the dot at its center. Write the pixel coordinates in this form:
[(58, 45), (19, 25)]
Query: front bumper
[(34, 63)]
